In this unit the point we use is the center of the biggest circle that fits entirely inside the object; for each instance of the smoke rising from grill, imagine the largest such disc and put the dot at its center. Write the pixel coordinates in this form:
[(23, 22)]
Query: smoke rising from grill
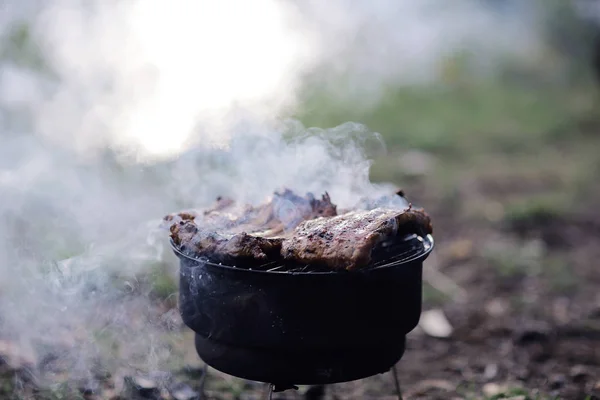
[(143, 108)]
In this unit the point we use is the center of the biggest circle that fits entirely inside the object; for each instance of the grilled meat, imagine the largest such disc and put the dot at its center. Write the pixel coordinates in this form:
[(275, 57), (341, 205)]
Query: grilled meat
[(250, 233), (221, 247), (296, 230), (347, 241)]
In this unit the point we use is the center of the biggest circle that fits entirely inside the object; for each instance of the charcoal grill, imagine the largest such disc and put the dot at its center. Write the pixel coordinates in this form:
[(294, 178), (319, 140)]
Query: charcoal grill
[(289, 326)]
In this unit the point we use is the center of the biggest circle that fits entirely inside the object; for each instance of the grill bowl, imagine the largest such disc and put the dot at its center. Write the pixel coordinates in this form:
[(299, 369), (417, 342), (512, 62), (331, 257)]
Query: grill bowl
[(302, 327)]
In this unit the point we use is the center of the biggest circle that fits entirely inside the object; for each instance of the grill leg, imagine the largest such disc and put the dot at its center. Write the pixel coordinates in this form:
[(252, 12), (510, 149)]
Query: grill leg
[(203, 381), (397, 382), (316, 392)]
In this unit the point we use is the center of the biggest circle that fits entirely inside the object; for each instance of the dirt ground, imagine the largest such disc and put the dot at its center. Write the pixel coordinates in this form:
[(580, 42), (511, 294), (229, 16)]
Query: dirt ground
[(531, 329)]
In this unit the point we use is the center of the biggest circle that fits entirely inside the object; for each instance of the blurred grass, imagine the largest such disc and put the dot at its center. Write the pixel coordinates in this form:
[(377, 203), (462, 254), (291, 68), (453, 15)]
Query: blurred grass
[(458, 120), (163, 284)]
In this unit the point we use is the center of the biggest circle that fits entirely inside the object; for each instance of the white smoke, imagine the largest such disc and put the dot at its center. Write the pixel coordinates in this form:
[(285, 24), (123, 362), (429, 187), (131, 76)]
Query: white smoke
[(153, 78), (142, 76), (141, 108)]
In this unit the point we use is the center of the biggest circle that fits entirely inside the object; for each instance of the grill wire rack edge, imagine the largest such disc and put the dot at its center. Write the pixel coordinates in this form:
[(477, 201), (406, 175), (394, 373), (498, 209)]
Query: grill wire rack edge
[(386, 254)]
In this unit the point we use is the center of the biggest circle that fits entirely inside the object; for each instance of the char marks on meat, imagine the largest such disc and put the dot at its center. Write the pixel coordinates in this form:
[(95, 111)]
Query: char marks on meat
[(224, 247), (295, 229), (347, 241), (227, 231)]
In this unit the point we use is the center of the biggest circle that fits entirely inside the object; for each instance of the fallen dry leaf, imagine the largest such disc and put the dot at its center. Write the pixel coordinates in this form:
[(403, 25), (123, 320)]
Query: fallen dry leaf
[(434, 323)]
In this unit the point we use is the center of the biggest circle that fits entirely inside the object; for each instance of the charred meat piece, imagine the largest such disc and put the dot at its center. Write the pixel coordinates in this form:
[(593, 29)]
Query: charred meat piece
[(323, 207), (226, 232), (286, 210), (217, 209), (347, 241), (186, 215), (221, 247), (281, 214), (298, 230), (174, 219)]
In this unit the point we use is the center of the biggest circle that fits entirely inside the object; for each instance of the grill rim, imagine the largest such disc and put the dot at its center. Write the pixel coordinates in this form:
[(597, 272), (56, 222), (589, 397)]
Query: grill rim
[(420, 256)]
